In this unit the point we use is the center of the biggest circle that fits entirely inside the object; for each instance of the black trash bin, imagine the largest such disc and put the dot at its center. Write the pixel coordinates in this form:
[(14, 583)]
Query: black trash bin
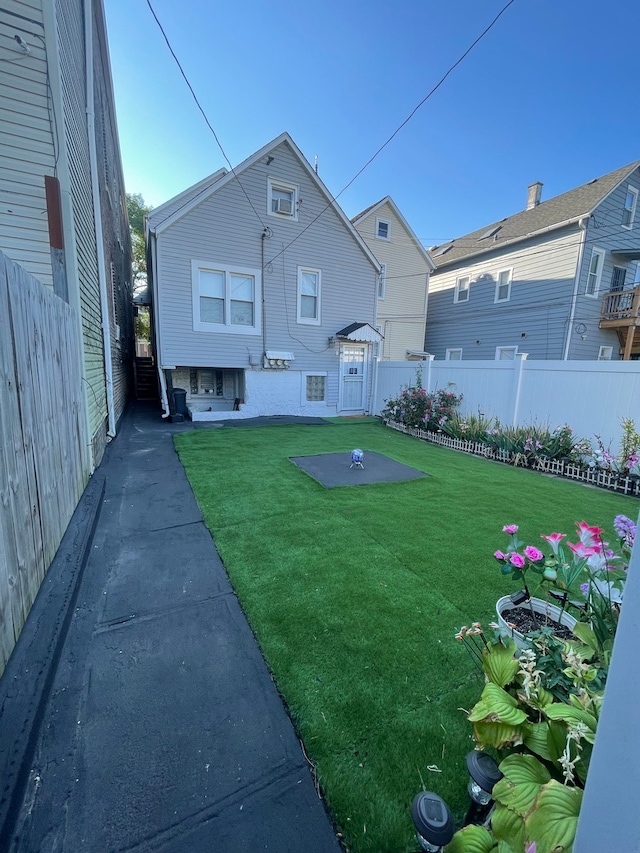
[(180, 401)]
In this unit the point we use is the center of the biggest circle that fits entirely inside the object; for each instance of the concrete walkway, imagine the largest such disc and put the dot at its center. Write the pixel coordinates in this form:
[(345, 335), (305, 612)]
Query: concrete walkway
[(137, 713)]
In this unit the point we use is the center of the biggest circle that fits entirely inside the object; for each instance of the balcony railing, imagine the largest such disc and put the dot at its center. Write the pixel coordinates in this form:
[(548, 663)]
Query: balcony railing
[(621, 308)]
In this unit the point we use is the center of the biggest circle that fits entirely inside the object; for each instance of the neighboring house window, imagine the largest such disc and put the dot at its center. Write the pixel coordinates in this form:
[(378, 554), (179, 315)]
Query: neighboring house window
[(605, 353), (595, 272), (462, 289), (383, 229), (382, 281), (308, 296), (282, 199), (506, 353), (503, 286), (225, 299), (629, 210), (316, 386), (618, 278), (453, 354)]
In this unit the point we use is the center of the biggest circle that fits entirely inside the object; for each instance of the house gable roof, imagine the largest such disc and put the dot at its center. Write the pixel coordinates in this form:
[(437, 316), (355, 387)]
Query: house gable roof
[(193, 199), (369, 211), (557, 212), (156, 217)]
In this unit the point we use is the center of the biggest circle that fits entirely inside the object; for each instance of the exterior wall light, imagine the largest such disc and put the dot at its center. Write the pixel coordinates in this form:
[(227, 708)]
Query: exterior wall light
[(432, 820), (484, 773)]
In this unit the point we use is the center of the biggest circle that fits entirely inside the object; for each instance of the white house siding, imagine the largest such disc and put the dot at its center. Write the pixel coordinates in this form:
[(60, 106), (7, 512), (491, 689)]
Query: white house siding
[(604, 231), (224, 229), (401, 313), (535, 318), (71, 41), (26, 137)]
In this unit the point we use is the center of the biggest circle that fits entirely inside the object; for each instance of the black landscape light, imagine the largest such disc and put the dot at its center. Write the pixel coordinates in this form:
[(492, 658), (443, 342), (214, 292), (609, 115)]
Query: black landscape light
[(484, 773), (432, 820)]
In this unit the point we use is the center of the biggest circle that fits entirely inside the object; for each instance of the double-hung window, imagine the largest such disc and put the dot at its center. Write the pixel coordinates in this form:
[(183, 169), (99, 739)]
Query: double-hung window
[(383, 229), (595, 272), (453, 354), (309, 281), (282, 199), (462, 289), (225, 299), (503, 286), (629, 209)]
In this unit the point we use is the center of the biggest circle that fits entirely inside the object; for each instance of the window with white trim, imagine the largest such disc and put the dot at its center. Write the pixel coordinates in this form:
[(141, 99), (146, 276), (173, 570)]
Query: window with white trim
[(453, 354), (315, 387), (605, 353), (629, 209), (309, 281), (282, 199), (462, 289), (506, 353), (595, 272), (225, 298), (382, 281), (503, 286), (383, 229)]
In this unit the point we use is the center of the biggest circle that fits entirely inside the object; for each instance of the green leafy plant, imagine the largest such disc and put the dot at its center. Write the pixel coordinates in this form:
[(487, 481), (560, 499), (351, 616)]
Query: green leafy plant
[(416, 408)]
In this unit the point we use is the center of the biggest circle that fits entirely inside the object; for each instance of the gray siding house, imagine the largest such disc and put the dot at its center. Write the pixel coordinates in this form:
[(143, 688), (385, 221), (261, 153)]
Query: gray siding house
[(403, 286), (558, 280), (263, 294)]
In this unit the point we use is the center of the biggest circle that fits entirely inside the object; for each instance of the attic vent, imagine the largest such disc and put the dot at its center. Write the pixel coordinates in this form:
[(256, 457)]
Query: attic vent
[(490, 232)]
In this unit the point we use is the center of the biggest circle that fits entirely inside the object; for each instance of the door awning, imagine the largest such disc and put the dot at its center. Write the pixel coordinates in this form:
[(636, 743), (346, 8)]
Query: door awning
[(360, 332)]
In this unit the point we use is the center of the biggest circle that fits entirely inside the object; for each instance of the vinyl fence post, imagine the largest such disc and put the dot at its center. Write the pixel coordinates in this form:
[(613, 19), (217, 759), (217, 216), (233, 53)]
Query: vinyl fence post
[(518, 367), (426, 378)]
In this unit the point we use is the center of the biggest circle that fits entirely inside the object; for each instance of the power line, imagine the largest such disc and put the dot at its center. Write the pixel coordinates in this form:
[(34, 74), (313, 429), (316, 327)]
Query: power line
[(199, 105), (402, 124)]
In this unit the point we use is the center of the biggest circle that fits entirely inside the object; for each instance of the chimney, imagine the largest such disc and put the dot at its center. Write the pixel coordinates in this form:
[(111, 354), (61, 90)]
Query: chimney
[(533, 196)]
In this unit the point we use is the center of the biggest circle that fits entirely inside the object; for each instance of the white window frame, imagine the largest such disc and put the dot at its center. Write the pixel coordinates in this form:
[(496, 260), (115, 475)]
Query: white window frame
[(600, 253), (380, 222), (509, 272), (285, 187), (458, 291), (450, 354), (630, 210), (226, 328), (605, 353), (309, 321), (382, 281), (303, 397), (500, 350)]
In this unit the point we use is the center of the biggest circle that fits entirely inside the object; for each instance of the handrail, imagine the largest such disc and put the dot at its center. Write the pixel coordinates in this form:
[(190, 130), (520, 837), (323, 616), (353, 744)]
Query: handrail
[(621, 305)]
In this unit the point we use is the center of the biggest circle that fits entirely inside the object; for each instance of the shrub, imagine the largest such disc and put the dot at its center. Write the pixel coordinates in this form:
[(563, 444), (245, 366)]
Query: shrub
[(414, 407)]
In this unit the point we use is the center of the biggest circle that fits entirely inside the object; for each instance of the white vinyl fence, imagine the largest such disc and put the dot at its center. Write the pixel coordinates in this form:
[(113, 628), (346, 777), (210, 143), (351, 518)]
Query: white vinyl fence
[(591, 397), (44, 461)]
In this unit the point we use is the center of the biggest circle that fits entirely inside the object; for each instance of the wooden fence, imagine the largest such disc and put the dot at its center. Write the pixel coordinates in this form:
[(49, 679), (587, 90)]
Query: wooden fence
[(44, 460)]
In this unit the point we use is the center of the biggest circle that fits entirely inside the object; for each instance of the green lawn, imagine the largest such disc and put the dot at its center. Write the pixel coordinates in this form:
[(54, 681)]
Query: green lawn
[(355, 594)]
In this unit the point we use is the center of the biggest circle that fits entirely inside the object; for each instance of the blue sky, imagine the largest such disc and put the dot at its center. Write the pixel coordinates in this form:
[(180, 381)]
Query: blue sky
[(550, 94)]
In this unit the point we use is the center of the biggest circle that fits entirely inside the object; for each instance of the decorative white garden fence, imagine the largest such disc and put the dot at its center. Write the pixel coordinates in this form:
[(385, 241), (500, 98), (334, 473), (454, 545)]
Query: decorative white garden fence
[(591, 397)]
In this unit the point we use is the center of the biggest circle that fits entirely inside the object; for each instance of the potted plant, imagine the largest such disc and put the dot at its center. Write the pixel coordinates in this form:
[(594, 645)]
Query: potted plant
[(585, 577)]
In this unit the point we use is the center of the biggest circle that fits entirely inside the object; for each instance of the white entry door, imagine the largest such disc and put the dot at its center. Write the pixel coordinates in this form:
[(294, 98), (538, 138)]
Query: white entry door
[(352, 387)]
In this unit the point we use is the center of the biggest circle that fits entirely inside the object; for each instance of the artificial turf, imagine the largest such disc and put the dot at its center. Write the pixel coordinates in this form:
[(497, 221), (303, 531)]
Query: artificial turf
[(355, 594)]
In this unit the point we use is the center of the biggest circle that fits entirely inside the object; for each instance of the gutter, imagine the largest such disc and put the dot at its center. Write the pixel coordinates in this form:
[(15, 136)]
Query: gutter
[(583, 224), (95, 192)]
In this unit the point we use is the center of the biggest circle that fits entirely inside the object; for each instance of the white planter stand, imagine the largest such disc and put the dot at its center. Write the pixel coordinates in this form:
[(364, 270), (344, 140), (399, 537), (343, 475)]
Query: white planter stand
[(547, 612)]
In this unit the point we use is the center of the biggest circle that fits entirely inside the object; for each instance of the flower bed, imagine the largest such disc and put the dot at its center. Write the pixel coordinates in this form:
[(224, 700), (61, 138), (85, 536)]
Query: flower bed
[(612, 480)]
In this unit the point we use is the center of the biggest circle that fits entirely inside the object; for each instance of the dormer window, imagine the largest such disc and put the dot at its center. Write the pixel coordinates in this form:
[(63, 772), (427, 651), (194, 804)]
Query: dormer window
[(383, 229), (282, 199)]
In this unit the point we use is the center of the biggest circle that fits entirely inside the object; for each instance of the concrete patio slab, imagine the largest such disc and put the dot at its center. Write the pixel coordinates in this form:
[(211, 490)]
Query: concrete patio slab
[(334, 469)]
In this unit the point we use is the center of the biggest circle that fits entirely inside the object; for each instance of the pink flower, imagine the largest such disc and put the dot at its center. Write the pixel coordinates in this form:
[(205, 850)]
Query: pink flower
[(510, 529), (581, 550), (589, 536), (517, 560), (554, 539), (532, 847), (500, 555), (533, 554)]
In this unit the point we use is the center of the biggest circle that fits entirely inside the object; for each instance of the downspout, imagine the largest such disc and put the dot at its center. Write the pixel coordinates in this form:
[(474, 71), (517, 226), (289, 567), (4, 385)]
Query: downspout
[(582, 224), (95, 191), (151, 277)]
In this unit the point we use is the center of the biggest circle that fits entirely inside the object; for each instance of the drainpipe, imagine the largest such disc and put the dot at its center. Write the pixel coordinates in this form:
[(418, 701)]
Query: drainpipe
[(95, 191), (152, 275), (582, 224)]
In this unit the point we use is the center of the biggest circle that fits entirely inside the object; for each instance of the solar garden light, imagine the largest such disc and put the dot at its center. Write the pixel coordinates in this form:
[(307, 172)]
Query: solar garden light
[(432, 820), (484, 773)]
